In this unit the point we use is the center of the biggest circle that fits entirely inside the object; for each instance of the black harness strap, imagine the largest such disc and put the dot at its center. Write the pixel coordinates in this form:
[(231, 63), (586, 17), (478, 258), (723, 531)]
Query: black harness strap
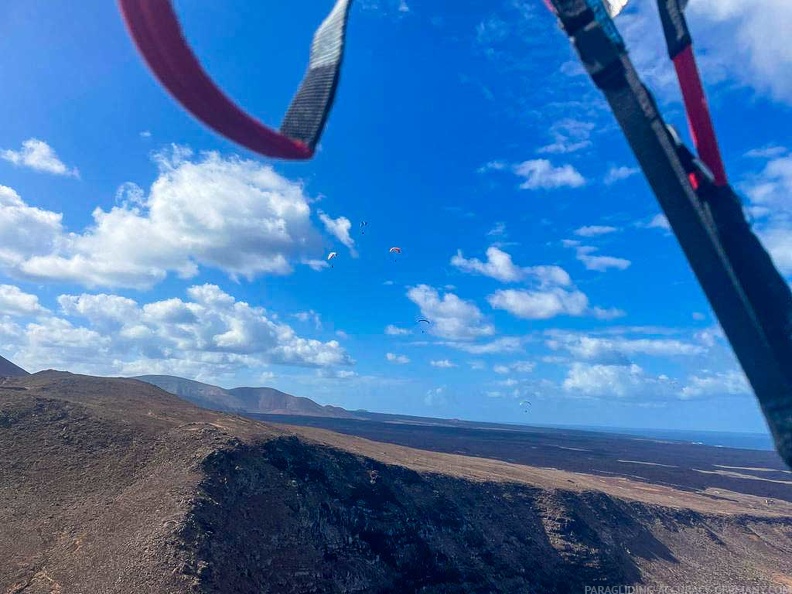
[(749, 296)]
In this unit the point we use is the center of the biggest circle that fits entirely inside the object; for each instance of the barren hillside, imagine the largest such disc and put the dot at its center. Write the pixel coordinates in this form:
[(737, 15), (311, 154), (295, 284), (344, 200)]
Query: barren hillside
[(112, 485)]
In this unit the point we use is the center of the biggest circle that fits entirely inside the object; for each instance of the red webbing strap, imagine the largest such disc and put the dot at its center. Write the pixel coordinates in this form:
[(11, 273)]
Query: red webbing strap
[(155, 29), (698, 114)]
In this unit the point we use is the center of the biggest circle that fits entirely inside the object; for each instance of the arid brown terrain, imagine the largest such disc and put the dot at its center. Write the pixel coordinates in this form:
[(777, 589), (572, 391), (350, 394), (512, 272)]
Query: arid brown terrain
[(683, 466), (112, 485)]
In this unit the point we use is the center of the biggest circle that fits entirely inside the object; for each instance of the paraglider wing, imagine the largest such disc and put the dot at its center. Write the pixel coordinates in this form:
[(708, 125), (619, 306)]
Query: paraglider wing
[(155, 29), (307, 114), (331, 255), (395, 250)]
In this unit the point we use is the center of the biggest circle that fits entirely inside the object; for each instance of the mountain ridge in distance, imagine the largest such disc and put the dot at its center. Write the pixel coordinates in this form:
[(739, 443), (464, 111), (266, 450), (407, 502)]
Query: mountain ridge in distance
[(261, 400), (278, 402), (270, 401)]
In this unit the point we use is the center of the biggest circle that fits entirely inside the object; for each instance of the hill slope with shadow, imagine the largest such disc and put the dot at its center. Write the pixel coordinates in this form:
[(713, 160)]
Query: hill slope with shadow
[(112, 485), (8, 369)]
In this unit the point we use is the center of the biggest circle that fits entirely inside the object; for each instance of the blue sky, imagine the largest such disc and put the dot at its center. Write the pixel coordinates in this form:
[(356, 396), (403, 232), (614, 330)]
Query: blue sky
[(133, 240)]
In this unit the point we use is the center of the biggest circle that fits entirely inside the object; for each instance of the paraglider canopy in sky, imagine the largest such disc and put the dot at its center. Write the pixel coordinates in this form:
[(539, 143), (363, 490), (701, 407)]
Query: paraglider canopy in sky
[(332, 256)]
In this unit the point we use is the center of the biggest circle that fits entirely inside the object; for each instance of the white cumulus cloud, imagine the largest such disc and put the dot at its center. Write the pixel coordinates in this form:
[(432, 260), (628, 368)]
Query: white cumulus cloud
[(539, 305), (38, 155), (569, 135), (620, 350), (716, 384), (616, 381), (514, 367), (436, 397), (770, 192), (235, 215), (339, 228), (659, 221), (309, 316), (541, 174), (207, 335), (15, 302), (594, 230), (500, 266), (442, 364), (398, 359), (617, 174), (749, 41), (25, 231), (451, 317), (586, 254)]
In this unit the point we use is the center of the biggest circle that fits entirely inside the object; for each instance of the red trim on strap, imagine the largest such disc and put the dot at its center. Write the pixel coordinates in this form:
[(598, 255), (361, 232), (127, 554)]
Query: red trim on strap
[(155, 29), (698, 114)]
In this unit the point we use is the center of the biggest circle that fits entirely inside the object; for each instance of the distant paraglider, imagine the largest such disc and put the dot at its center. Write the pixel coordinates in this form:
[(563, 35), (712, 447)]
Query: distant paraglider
[(330, 257), (395, 251), (363, 225), (523, 404), (420, 321)]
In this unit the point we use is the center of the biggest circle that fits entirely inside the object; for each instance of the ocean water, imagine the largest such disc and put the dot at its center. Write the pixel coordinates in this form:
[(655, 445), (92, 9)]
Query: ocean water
[(746, 441)]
